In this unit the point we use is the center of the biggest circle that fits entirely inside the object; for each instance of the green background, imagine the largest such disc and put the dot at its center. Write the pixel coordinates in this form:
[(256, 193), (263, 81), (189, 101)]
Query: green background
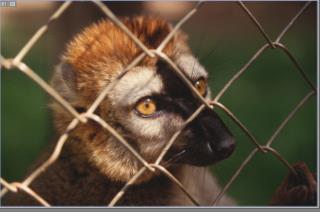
[(261, 98)]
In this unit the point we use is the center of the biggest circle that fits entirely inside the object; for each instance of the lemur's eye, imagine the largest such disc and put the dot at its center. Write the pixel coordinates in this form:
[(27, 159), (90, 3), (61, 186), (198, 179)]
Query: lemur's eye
[(201, 86), (146, 107)]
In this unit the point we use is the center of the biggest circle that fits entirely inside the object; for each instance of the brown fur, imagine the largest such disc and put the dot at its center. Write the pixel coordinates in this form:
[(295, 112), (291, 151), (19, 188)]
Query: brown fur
[(97, 55), (71, 181), (93, 166), (102, 50)]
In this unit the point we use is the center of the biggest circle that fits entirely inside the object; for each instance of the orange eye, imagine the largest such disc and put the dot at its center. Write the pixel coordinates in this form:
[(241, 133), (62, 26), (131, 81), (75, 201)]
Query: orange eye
[(201, 86), (146, 107)]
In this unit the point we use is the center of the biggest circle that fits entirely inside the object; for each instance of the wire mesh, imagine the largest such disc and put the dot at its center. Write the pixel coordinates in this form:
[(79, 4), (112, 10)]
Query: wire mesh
[(17, 63)]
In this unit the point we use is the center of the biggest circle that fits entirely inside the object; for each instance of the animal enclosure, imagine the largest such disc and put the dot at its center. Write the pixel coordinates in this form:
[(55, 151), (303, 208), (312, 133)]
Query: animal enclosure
[(265, 90)]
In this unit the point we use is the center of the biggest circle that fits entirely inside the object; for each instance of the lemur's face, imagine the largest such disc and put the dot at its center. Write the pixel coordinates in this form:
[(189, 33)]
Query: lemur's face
[(152, 103), (146, 106)]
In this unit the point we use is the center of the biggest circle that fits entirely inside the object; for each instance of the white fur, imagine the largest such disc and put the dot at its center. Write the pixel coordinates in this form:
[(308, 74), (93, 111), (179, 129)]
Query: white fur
[(191, 67), (137, 83)]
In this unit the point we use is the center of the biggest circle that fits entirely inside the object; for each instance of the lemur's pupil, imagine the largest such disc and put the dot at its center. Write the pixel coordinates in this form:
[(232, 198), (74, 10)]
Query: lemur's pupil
[(201, 86), (146, 107)]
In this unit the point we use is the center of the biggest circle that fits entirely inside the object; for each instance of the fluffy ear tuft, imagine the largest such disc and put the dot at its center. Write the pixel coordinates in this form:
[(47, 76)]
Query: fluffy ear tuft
[(64, 82)]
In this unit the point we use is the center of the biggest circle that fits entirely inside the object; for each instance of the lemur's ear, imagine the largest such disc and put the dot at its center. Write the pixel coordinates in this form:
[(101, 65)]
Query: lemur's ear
[(64, 80), (69, 75)]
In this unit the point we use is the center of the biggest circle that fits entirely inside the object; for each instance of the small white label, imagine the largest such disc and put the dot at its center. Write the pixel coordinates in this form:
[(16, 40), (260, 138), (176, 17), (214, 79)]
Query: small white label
[(6, 3), (12, 4)]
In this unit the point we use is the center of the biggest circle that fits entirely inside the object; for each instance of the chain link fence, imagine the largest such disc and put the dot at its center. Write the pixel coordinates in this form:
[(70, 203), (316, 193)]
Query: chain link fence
[(8, 64)]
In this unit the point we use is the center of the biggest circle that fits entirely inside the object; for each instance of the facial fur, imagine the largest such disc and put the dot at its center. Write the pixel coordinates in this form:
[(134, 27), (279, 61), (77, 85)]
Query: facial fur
[(94, 58)]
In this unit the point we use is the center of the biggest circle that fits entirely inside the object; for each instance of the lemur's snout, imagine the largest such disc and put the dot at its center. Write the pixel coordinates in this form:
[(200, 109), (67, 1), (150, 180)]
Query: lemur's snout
[(219, 142), (209, 140), (225, 147), (219, 137)]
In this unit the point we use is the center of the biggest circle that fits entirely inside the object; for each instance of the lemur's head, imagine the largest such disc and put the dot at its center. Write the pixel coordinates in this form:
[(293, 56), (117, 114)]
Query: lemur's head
[(146, 106)]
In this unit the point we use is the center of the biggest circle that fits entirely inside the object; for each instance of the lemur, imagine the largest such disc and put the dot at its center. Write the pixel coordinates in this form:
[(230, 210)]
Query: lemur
[(146, 106)]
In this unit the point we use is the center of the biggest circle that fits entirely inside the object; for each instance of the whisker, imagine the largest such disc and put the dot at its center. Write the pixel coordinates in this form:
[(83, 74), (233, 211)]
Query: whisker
[(212, 50), (194, 63), (174, 157)]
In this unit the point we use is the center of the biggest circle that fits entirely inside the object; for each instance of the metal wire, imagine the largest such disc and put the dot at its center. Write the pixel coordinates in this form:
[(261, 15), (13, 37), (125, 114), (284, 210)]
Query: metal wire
[(17, 63)]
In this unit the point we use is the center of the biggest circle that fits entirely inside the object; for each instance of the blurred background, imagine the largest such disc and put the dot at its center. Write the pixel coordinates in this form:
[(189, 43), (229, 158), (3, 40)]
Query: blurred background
[(223, 38)]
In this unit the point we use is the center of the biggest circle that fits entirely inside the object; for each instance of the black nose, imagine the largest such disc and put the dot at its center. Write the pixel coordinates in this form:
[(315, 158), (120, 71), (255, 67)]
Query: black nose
[(224, 148), (210, 141)]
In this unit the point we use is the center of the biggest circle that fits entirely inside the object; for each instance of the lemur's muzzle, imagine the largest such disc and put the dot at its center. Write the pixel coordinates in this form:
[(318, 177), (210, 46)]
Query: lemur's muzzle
[(208, 140)]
